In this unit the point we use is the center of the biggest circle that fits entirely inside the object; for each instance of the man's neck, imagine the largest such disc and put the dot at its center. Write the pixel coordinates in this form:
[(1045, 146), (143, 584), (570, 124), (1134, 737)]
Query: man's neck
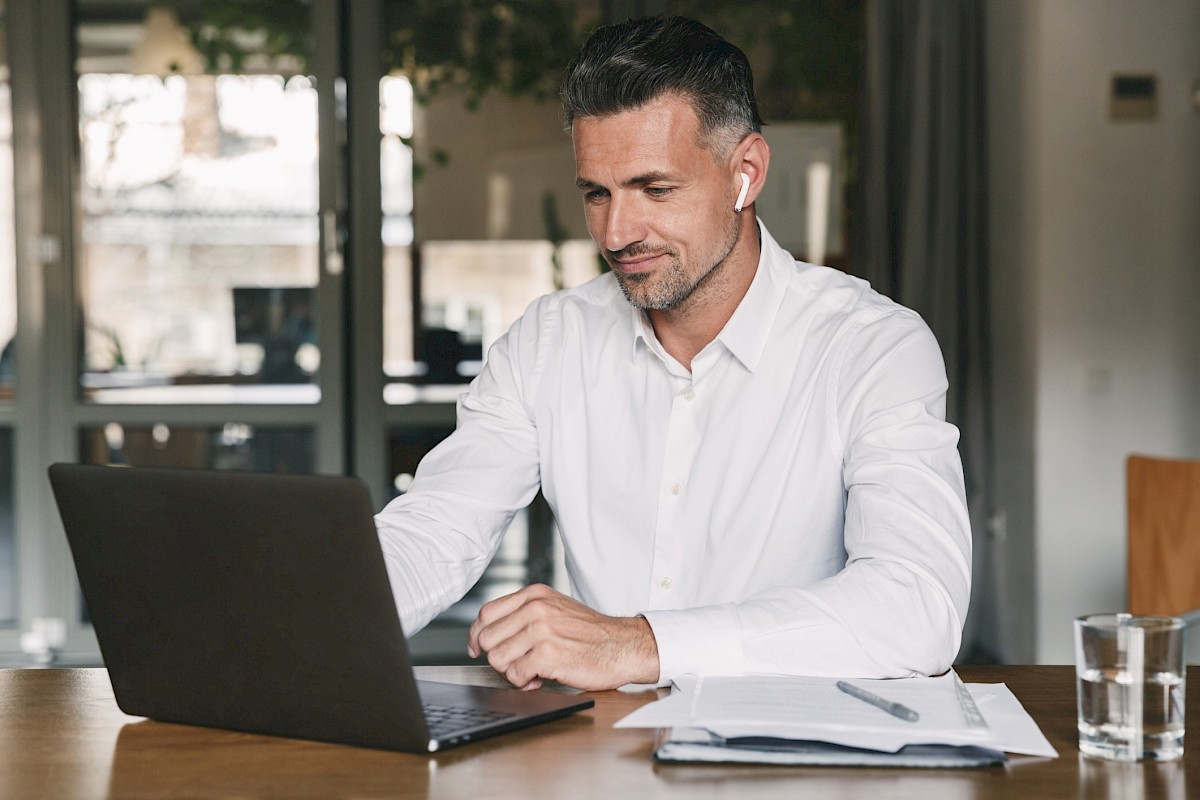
[(686, 330)]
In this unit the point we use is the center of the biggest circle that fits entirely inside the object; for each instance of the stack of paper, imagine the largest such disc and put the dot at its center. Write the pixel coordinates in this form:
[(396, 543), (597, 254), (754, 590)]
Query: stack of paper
[(810, 720)]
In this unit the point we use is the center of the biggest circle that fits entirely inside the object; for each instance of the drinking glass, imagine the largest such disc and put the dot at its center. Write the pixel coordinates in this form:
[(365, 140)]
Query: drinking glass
[(1130, 677)]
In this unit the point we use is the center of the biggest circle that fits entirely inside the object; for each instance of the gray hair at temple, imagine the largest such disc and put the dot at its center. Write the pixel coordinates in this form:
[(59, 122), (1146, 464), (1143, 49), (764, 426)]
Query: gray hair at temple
[(624, 66)]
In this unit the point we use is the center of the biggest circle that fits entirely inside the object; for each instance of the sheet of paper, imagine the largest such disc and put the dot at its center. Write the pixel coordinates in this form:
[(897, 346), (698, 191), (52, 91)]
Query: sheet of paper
[(813, 708), (1013, 730)]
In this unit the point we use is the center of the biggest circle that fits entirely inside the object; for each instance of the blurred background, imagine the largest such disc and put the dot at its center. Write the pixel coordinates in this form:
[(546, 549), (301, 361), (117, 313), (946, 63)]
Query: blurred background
[(280, 235)]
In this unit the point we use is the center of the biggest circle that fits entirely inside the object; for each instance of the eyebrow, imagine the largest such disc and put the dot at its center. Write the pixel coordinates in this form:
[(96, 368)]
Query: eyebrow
[(636, 180)]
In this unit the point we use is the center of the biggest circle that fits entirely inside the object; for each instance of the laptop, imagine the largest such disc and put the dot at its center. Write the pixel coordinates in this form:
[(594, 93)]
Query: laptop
[(260, 603)]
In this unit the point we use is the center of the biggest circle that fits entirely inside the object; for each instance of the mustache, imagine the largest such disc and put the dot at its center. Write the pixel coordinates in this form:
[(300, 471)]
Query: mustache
[(638, 249)]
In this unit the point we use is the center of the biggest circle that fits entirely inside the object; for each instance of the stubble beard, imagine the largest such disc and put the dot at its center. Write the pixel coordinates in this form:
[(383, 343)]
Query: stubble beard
[(669, 287)]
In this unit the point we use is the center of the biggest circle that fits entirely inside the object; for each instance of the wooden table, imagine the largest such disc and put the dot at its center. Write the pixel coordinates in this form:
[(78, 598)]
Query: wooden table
[(62, 736)]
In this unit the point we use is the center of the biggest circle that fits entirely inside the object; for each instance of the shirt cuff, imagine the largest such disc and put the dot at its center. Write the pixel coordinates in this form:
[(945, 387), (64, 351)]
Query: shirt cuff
[(702, 641)]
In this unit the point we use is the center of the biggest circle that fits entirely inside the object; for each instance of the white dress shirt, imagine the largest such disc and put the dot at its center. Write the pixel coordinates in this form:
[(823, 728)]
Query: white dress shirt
[(794, 504)]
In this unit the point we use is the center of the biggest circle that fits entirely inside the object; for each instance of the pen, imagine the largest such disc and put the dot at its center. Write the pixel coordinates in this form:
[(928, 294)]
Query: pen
[(895, 709)]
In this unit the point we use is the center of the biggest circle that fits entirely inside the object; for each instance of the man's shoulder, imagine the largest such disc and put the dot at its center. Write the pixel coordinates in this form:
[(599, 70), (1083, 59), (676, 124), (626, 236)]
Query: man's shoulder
[(594, 302), (833, 294), (601, 290), (821, 294), (570, 321)]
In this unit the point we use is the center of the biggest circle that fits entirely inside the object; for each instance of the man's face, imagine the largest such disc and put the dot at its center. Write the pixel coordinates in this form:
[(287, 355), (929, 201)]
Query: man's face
[(657, 203)]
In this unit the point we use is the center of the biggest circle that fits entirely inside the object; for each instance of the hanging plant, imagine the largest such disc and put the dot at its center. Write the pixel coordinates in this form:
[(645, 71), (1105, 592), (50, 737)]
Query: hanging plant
[(516, 47), (229, 33)]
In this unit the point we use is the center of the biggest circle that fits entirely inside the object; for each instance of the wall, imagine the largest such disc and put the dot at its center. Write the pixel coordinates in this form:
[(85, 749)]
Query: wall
[(1096, 264)]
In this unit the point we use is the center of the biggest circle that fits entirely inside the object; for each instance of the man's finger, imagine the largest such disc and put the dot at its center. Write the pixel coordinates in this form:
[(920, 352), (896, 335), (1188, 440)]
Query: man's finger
[(515, 635), (489, 613), (500, 609), (523, 673), (502, 651)]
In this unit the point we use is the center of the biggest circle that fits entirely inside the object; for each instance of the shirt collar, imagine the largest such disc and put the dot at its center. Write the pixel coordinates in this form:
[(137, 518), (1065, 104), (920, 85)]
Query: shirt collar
[(642, 330), (746, 333)]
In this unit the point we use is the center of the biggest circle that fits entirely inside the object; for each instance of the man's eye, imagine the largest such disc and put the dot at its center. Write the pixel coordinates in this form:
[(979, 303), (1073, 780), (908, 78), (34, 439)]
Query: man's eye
[(595, 195), (658, 191)]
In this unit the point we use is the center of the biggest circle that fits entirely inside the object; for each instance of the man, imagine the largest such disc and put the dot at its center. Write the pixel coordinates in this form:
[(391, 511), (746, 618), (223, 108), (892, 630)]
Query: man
[(746, 456)]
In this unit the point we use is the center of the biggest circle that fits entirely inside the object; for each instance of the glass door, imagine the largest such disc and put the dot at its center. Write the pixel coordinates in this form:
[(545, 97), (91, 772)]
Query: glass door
[(199, 273), (191, 306), (8, 338)]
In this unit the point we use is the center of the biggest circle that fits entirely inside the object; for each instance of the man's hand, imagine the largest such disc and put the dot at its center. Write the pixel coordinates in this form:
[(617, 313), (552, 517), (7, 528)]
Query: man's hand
[(539, 633)]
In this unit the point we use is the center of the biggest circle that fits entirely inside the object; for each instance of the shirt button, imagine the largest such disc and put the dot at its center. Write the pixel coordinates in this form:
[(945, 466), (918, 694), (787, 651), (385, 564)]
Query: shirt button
[(676, 488), (665, 584), (690, 394)]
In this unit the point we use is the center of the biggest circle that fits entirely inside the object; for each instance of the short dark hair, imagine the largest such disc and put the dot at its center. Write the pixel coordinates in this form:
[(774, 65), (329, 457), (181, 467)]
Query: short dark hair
[(624, 66)]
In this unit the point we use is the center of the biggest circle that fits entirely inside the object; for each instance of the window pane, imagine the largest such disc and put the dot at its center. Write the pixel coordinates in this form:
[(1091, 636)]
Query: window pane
[(473, 291), (495, 221), (199, 230), (8, 583), (230, 446)]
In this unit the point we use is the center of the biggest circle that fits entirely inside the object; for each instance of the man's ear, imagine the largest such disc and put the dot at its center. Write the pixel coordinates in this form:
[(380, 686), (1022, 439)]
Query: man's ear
[(751, 158)]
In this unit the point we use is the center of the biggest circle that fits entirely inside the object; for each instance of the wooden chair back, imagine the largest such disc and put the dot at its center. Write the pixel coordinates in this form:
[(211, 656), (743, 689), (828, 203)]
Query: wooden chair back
[(1163, 502)]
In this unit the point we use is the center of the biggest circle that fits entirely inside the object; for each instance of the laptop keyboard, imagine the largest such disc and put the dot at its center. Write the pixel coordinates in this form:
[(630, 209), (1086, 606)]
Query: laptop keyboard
[(443, 721)]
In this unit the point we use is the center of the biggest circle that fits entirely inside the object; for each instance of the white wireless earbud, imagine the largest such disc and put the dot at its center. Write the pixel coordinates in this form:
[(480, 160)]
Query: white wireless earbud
[(737, 206)]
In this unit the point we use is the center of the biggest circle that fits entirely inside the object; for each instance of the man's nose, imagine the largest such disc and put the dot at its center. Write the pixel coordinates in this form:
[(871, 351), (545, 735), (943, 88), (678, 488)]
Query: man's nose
[(624, 224)]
